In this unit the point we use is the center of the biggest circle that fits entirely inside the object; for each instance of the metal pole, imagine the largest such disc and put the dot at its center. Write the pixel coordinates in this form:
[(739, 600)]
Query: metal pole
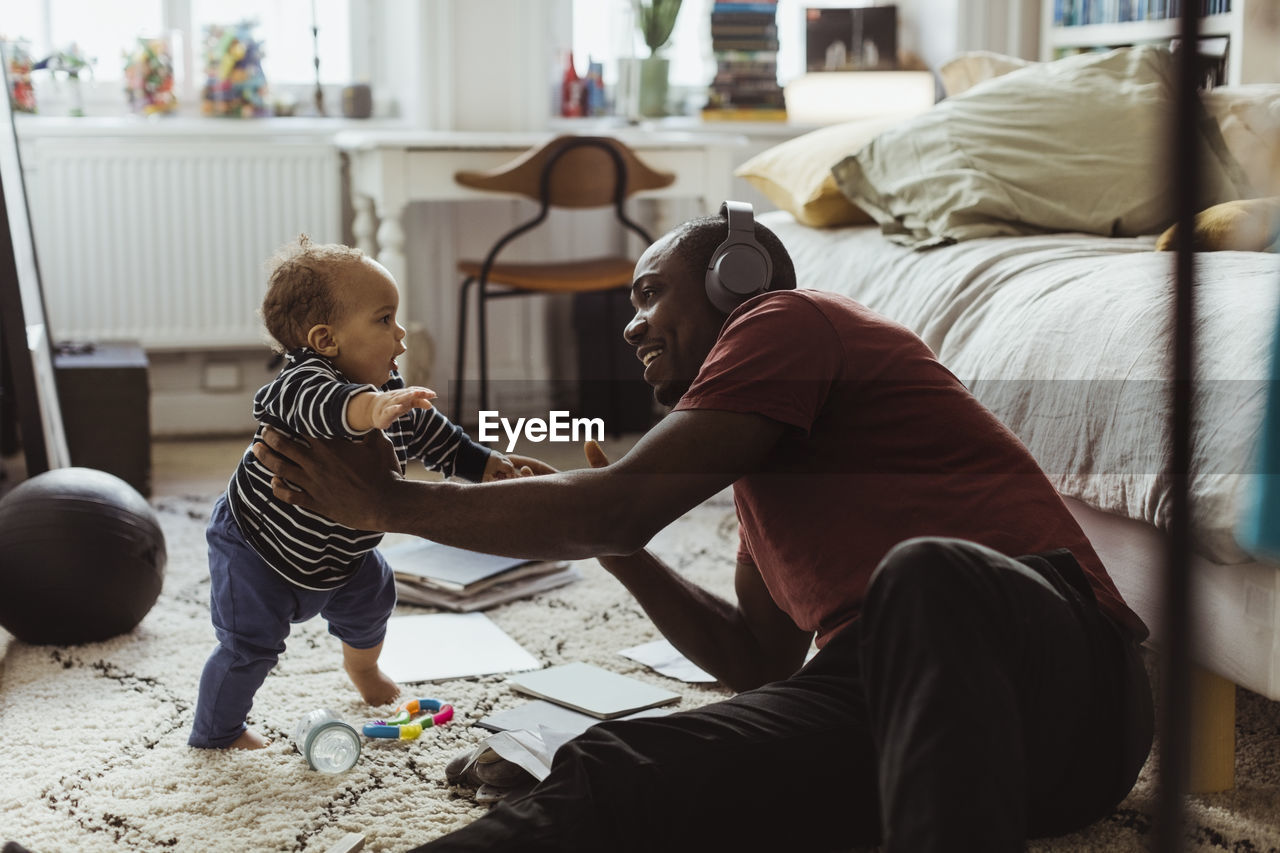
[(1175, 670)]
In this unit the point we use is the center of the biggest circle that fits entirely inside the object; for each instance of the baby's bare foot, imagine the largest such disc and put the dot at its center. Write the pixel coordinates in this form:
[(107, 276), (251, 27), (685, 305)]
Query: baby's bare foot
[(249, 739), (374, 685)]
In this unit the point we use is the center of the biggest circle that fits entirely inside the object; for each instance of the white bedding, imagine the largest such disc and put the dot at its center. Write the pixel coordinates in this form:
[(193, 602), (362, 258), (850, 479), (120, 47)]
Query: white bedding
[(1066, 337)]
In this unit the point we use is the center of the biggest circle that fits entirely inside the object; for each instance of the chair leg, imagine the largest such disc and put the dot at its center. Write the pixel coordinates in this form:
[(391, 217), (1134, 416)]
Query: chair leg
[(460, 366), (482, 318)]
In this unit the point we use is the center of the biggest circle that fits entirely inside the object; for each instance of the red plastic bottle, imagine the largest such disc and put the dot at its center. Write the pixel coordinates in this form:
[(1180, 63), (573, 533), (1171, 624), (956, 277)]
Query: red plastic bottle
[(571, 92)]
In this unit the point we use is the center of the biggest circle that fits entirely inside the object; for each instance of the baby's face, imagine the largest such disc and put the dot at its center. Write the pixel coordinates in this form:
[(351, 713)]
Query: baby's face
[(368, 337)]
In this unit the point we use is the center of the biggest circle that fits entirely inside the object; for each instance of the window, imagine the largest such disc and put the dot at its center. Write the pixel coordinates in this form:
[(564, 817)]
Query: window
[(285, 29), (105, 31), (606, 31)]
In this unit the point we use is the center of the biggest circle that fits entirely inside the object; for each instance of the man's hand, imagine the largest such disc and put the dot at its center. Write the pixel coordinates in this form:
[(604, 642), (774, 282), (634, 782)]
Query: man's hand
[(348, 482), (595, 454), (528, 466)]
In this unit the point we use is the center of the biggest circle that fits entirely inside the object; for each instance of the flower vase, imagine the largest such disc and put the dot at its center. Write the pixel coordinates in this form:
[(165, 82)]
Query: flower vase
[(653, 86), (76, 98)]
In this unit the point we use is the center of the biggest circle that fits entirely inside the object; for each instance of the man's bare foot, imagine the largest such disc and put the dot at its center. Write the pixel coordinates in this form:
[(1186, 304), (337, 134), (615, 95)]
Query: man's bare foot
[(249, 739), (374, 685)]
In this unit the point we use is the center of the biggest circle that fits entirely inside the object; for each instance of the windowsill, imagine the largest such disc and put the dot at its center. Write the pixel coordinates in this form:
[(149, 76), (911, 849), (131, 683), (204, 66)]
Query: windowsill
[(33, 126)]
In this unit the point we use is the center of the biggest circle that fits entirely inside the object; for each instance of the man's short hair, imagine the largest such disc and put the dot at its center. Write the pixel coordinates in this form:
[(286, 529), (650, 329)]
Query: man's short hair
[(302, 289), (696, 240)]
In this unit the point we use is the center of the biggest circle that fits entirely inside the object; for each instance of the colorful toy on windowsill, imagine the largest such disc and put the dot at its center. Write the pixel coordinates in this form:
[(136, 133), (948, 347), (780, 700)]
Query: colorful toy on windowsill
[(234, 83), (404, 725), (148, 77), (17, 57)]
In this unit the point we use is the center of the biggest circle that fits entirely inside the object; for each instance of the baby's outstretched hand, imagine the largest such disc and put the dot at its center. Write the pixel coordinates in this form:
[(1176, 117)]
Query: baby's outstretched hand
[(389, 405), (498, 467)]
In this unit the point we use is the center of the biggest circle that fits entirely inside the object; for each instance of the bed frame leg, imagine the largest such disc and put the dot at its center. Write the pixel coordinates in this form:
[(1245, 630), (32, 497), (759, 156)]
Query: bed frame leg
[(1213, 732)]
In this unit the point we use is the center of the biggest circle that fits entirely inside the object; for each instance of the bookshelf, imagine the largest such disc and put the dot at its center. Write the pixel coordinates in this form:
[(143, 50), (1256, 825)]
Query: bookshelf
[(1251, 27)]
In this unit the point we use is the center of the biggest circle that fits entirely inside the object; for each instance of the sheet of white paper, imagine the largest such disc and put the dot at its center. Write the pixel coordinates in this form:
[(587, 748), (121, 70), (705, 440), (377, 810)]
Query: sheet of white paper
[(436, 646), (526, 749), (531, 750), (663, 657)]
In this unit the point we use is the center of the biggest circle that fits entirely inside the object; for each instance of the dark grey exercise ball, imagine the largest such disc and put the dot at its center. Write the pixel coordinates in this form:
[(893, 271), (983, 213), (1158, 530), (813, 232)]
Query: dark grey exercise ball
[(81, 557)]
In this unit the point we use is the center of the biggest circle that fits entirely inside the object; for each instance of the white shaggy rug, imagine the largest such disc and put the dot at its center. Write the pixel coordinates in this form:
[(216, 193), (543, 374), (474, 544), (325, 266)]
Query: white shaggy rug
[(94, 752)]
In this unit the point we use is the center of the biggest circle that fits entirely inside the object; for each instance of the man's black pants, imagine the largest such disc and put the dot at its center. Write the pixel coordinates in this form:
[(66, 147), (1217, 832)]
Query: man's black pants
[(978, 701)]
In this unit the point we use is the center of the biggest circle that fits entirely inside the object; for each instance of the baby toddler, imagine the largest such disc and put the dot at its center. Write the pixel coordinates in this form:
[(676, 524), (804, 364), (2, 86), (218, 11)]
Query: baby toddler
[(332, 312)]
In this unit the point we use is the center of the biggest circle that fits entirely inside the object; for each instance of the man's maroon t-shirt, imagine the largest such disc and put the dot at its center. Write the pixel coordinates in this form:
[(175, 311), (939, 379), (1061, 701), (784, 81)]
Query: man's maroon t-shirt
[(887, 445)]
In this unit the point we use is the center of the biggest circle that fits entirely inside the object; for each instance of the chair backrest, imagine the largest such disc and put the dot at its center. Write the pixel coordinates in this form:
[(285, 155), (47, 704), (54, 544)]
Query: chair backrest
[(572, 171)]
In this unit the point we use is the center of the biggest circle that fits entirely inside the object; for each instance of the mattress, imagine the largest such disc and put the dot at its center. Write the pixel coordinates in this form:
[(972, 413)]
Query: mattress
[(1066, 337)]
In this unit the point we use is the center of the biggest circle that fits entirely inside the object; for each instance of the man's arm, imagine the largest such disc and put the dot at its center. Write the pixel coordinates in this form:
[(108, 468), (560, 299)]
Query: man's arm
[(743, 645), (686, 458)]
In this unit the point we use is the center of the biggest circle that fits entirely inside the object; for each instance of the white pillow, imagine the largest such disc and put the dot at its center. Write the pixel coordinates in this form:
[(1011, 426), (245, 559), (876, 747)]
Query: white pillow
[(1080, 144), (796, 174), (1249, 117), (976, 66)]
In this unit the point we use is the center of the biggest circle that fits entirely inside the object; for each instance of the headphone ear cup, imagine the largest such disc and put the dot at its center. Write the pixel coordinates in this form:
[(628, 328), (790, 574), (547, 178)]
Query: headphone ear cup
[(737, 272)]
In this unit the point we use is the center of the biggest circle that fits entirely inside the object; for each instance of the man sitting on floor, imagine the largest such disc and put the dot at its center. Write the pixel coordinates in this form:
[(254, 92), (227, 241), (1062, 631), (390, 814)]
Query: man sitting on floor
[(978, 680)]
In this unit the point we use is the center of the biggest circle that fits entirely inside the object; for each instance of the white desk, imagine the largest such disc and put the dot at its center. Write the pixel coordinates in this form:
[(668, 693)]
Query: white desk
[(391, 168)]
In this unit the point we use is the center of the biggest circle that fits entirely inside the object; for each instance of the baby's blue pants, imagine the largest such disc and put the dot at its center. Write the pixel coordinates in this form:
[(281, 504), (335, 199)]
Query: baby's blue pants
[(253, 608)]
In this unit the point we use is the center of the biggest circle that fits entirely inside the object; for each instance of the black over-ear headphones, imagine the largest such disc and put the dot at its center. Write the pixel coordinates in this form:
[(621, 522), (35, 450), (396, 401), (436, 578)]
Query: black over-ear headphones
[(740, 267)]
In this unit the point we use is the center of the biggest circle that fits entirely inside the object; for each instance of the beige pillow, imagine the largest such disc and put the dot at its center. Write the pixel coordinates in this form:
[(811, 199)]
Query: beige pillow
[(1079, 144), (1249, 117), (796, 174), (977, 66)]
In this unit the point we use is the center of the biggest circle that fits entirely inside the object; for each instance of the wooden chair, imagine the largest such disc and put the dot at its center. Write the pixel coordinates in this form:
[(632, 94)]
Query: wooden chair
[(567, 172)]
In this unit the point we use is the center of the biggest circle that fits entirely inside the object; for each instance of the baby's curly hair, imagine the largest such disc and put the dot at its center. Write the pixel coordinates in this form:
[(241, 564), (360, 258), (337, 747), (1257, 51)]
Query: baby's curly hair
[(300, 289)]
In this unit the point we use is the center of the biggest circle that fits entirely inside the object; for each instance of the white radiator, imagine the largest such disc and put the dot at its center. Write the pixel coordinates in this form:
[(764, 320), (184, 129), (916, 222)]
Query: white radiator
[(167, 242)]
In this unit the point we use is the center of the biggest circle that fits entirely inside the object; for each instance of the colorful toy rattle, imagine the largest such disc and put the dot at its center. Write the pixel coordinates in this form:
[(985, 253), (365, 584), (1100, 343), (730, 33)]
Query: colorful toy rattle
[(404, 726)]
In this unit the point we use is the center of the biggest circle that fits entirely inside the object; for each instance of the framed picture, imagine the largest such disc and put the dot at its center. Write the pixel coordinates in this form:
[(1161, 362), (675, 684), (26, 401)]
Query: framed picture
[(28, 346), (863, 38)]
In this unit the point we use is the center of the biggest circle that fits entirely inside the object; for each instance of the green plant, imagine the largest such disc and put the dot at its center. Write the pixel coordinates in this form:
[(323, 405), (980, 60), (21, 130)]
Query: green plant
[(656, 19)]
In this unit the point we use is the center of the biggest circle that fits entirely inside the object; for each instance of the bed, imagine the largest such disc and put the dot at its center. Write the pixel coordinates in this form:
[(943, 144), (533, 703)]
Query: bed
[(1065, 338), (1065, 333)]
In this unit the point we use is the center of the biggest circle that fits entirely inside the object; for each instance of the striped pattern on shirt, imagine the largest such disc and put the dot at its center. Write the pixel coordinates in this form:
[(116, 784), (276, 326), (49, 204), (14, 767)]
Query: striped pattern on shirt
[(309, 399)]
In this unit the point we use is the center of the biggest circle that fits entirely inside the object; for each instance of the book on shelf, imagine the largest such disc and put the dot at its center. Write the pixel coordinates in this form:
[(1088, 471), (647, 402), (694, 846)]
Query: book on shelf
[(761, 44), (744, 40), (1076, 13), (768, 7)]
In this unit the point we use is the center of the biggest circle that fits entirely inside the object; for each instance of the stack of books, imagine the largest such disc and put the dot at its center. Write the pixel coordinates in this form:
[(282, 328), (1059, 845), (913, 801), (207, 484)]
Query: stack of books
[(744, 39), (433, 575)]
